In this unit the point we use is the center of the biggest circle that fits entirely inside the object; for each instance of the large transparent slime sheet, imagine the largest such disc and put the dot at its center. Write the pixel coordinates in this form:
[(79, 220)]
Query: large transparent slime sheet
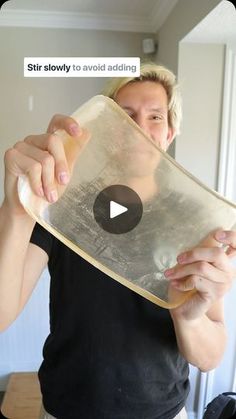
[(178, 211)]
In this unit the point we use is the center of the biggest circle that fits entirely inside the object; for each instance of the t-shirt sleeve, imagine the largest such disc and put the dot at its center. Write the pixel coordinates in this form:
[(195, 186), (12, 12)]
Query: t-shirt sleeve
[(42, 238)]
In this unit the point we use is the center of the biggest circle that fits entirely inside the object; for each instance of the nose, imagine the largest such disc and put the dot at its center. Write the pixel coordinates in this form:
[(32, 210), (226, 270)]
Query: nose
[(141, 122)]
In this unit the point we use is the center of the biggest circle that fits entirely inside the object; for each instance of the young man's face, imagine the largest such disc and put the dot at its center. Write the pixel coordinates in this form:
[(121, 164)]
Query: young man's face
[(147, 104)]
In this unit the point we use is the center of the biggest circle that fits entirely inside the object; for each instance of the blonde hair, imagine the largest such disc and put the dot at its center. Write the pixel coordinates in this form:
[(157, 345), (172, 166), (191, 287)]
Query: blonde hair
[(158, 74)]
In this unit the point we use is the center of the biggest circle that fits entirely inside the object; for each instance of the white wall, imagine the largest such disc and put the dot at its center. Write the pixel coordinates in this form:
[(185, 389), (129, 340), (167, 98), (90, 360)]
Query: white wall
[(21, 344), (201, 77), (183, 18)]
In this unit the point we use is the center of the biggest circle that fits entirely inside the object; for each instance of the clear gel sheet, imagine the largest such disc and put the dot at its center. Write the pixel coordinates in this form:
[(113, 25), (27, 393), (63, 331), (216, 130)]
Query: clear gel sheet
[(178, 211)]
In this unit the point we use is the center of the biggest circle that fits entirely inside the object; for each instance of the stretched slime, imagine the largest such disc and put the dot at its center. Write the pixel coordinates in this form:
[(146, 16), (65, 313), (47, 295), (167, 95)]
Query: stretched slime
[(174, 211)]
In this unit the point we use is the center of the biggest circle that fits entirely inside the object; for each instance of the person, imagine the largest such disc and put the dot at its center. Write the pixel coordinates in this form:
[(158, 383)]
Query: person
[(111, 353)]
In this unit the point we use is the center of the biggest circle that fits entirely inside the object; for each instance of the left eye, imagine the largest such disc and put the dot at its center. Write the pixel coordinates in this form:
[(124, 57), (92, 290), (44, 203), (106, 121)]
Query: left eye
[(156, 117)]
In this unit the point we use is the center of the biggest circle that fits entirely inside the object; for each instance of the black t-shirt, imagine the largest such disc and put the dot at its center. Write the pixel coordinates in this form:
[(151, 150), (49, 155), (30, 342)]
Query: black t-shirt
[(110, 354)]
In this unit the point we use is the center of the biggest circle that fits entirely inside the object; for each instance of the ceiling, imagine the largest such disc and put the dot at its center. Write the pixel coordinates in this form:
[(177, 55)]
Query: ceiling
[(131, 16)]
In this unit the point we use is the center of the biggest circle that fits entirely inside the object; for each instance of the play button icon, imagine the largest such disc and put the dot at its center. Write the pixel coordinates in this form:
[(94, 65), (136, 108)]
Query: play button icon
[(117, 209)]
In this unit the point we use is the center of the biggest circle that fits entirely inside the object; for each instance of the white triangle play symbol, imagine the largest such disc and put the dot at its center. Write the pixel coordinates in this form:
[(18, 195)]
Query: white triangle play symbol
[(116, 209)]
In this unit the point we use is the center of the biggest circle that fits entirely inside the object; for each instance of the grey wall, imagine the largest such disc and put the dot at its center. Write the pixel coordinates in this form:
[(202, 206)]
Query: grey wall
[(201, 76)]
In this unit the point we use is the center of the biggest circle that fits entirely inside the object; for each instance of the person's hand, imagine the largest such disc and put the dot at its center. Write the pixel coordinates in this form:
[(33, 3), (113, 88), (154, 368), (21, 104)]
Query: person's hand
[(206, 269), (43, 159)]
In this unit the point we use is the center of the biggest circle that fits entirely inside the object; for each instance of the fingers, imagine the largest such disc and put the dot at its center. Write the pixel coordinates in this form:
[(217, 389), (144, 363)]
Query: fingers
[(210, 263), (18, 164), (208, 270), (228, 238), (214, 255), (47, 159), (207, 289), (45, 147), (43, 157), (66, 123), (43, 166), (200, 269)]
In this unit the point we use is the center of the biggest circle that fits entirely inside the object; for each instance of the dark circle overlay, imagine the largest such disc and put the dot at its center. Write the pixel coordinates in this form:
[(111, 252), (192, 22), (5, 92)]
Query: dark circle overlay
[(122, 195)]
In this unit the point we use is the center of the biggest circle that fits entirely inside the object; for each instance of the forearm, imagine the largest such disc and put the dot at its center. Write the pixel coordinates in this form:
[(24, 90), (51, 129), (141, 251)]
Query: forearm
[(15, 232), (201, 341)]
